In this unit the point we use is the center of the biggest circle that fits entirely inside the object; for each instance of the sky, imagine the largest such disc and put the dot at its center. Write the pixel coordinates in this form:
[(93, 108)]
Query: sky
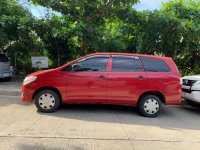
[(149, 4), (40, 12)]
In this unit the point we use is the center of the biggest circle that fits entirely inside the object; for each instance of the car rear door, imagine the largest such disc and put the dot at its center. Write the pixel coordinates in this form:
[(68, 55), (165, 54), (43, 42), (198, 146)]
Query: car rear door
[(158, 73), (126, 79), (163, 77), (88, 84)]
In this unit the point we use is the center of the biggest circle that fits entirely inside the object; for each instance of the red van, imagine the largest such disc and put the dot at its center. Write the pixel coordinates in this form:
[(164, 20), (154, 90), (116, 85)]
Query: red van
[(144, 81)]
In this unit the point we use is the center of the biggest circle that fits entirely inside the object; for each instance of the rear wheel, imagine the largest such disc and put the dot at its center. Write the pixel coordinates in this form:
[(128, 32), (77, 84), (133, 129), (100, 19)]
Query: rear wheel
[(47, 101), (149, 105)]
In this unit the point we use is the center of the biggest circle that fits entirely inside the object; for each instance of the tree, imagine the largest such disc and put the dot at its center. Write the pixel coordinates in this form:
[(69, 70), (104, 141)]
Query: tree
[(187, 42), (173, 31), (83, 23), (86, 26), (17, 37)]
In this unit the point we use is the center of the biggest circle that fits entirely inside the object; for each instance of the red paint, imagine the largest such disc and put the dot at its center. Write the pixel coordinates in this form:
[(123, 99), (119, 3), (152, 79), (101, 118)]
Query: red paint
[(111, 87)]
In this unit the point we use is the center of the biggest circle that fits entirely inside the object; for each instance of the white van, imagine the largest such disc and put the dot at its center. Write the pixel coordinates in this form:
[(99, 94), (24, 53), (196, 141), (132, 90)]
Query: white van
[(5, 69), (191, 89)]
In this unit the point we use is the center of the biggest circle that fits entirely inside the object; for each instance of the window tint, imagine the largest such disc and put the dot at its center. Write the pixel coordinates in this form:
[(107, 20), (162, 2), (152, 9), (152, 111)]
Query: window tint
[(154, 64), (90, 64), (126, 64), (3, 58), (68, 68), (94, 64)]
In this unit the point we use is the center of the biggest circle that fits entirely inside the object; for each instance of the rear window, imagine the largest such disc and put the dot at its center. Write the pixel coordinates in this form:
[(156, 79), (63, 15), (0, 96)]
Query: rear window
[(154, 64), (3, 58)]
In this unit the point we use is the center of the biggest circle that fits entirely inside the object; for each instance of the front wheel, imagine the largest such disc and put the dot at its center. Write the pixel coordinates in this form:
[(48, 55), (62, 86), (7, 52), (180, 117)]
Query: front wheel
[(149, 105), (47, 101)]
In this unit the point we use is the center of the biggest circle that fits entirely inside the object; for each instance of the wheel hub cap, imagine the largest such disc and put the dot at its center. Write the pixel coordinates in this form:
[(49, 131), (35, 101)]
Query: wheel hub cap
[(46, 101), (151, 106)]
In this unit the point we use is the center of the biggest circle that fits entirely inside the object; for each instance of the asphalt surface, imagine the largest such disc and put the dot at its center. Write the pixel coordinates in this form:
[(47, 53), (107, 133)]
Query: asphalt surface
[(94, 127)]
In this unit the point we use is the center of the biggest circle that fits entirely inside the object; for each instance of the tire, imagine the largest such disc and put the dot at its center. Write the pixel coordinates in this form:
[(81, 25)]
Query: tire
[(193, 104), (47, 101), (149, 105)]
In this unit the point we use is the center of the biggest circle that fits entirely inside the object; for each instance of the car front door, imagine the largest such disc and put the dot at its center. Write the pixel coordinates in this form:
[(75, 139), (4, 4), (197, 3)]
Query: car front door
[(86, 82), (126, 79)]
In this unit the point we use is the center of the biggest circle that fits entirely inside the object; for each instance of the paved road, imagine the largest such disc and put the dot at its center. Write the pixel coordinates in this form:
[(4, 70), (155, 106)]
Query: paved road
[(10, 88), (96, 127)]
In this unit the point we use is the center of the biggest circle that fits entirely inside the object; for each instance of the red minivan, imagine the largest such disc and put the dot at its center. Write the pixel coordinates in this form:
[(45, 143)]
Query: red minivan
[(144, 81)]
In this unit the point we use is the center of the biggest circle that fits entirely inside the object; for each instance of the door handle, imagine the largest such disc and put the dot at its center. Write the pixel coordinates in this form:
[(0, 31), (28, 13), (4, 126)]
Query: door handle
[(101, 77), (140, 77)]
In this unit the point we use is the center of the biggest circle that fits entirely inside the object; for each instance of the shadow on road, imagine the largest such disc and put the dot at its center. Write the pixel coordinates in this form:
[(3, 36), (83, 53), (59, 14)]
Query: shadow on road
[(171, 117)]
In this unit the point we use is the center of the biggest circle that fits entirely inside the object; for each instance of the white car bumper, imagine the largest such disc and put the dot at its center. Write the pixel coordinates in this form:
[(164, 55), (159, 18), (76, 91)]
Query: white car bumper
[(6, 74), (193, 96)]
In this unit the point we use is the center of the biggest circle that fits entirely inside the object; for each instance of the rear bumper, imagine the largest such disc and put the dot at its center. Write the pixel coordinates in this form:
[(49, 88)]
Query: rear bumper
[(176, 101), (174, 98)]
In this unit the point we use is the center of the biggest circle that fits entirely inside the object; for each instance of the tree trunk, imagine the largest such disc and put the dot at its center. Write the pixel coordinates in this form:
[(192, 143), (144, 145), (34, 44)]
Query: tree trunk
[(58, 54)]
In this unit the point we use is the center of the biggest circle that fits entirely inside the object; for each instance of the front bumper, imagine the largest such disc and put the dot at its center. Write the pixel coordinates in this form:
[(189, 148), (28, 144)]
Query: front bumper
[(26, 93), (6, 74), (193, 96)]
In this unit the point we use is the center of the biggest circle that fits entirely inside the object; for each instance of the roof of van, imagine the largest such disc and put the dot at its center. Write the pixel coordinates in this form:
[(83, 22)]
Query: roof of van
[(131, 54)]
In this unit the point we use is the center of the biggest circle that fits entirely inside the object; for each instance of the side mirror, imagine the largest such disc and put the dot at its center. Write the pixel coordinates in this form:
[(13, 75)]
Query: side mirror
[(77, 67)]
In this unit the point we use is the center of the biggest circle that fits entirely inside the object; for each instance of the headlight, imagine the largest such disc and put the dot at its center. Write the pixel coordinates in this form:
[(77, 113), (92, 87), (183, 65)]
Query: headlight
[(181, 81), (198, 82), (30, 79)]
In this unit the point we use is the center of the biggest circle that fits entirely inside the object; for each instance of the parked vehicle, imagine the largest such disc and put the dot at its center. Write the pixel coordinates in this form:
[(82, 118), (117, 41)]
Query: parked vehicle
[(191, 90), (5, 69), (139, 80)]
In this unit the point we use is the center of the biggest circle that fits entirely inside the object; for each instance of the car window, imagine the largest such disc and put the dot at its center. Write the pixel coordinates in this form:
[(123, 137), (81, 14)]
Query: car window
[(94, 64), (3, 58), (67, 68), (126, 64), (90, 64), (154, 64)]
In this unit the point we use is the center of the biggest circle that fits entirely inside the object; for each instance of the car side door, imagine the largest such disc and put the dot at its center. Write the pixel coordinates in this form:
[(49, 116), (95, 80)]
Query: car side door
[(126, 79), (86, 82)]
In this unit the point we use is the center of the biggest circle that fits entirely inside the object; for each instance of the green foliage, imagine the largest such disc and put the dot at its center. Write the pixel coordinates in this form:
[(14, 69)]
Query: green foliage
[(87, 26), (17, 37), (187, 32), (173, 31), (82, 28)]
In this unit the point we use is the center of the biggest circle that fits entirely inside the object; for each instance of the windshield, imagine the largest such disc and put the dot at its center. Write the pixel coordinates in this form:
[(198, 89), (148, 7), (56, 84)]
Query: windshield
[(3, 58)]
